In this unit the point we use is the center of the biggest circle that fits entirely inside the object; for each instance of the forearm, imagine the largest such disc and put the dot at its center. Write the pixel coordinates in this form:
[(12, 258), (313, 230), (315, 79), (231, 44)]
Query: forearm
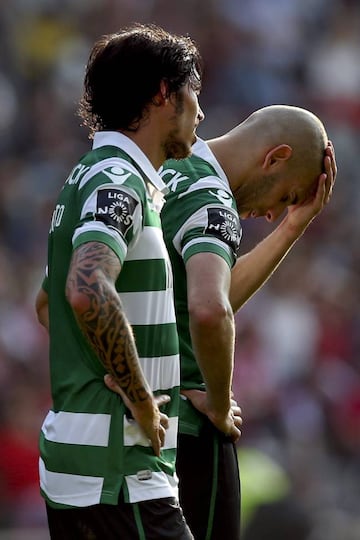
[(254, 268), (112, 339), (97, 307), (213, 346)]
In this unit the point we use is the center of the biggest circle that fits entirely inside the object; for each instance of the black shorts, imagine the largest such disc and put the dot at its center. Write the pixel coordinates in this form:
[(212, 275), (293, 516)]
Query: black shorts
[(209, 484), (160, 519)]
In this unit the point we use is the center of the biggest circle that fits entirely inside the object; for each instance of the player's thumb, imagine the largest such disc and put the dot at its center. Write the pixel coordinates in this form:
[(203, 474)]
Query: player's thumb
[(161, 400)]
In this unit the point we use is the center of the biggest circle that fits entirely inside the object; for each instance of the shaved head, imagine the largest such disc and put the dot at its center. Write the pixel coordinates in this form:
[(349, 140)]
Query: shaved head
[(273, 158), (296, 127)]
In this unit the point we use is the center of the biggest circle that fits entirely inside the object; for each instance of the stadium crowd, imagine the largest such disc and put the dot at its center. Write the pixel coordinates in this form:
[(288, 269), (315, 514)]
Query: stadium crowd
[(297, 371)]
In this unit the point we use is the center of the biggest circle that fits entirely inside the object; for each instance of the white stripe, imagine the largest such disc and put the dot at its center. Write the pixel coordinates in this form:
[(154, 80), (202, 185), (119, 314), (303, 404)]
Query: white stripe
[(197, 219), (98, 226), (206, 240), (77, 428), (90, 205), (114, 138), (71, 489), (149, 246), (134, 435), (207, 182), (151, 307), (106, 163), (162, 372), (158, 486)]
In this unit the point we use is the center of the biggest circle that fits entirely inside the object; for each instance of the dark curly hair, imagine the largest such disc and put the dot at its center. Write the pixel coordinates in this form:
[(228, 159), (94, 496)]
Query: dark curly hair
[(125, 70)]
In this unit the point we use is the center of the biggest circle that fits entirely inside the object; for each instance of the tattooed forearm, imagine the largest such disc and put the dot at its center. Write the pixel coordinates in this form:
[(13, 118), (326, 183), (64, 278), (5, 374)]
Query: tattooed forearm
[(98, 309)]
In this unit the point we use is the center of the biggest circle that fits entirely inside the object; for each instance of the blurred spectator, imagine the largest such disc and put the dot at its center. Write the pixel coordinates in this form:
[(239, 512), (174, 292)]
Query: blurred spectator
[(297, 373)]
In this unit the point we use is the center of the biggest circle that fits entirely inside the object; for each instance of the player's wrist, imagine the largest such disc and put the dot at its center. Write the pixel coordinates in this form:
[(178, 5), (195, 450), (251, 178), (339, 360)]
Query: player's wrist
[(219, 413), (292, 229)]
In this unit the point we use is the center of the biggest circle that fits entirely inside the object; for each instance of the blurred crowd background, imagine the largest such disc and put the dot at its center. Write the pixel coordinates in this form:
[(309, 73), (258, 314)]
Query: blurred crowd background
[(297, 373)]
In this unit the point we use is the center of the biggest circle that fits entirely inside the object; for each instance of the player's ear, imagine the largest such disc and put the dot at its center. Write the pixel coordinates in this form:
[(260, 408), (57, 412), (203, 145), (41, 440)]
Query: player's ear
[(277, 155), (163, 94), (164, 89)]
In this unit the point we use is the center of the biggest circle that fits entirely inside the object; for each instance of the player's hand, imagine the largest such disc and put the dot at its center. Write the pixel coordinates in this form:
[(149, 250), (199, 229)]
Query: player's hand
[(229, 423), (330, 168), (300, 215), (147, 414)]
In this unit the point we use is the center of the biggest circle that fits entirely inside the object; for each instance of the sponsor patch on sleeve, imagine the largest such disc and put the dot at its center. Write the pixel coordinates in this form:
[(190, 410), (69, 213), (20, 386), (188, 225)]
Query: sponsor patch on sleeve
[(116, 208), (224, 223)]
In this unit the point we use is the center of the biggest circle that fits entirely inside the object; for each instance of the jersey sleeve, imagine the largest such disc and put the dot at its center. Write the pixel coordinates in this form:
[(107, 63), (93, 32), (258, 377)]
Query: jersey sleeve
[(213, 226), (112, 212)]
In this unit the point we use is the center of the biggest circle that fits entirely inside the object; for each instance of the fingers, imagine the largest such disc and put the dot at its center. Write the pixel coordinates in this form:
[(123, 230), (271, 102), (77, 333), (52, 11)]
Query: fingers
[(235, 406), (157, 440), (162, 400), (110, 383), (331, 153), (192, 394), (330, 169), (164, 421), (155, 427), (114, 387), (238, 422), (236, 417), (162, 435), (234, 434), (236, 412), (329, 181)]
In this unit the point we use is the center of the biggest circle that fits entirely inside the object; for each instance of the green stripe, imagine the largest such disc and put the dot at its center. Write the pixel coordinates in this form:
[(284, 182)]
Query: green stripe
[(74, 458), (138, 522), (98, 236), (156, 340), (92, 461), (145, 455), (213, 489), (131, 278), (208, 247)]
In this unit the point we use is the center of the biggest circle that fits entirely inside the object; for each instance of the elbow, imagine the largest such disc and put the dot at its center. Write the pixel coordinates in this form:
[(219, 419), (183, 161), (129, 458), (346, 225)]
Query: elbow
[(41, 308), (78, 301), (211, 315), (39, 312)]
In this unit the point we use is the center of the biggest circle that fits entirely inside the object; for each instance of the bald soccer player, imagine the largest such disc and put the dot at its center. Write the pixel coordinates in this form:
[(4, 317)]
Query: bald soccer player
[(278, 159)]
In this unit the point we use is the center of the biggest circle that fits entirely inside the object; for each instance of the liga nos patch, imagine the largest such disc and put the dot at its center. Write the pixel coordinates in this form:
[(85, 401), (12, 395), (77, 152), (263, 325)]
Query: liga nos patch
[(224, 223), (116, 207)]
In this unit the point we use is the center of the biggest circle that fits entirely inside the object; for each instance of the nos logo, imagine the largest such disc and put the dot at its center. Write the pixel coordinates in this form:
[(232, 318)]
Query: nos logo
[(115, 207), (224, 223)]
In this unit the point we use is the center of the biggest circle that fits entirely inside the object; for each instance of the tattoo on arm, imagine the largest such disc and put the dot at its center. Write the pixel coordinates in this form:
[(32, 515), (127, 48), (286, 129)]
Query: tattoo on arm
[(93, 271)]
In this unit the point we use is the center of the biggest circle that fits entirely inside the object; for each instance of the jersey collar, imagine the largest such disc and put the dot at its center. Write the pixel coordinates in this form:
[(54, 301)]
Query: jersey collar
[(114, 138), (202, 150)]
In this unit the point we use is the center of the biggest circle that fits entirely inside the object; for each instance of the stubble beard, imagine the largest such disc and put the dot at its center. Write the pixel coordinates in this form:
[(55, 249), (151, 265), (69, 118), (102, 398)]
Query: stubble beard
[(175, 148), (248, 196)]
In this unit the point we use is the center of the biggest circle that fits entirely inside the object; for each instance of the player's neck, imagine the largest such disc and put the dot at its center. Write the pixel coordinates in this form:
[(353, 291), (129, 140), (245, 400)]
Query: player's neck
[(233, 156)]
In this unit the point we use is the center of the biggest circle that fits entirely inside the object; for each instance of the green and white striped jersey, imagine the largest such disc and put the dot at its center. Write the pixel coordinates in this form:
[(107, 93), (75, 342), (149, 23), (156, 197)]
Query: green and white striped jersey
[(199, 215), (89, 448)]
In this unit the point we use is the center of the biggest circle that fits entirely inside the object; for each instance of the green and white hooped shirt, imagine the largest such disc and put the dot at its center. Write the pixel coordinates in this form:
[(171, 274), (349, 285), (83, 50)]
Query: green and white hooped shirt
[(199, 215), (89, 449)]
